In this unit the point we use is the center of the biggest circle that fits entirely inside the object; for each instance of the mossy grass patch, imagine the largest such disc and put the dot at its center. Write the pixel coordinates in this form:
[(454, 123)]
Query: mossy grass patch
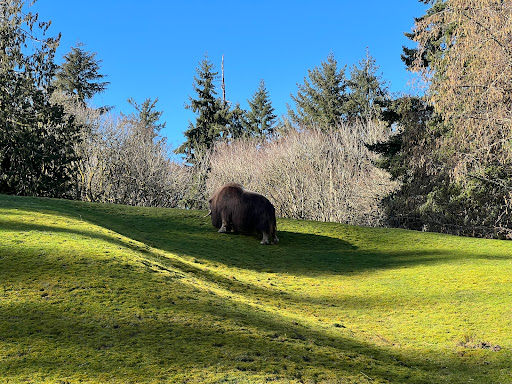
[(113, 294)]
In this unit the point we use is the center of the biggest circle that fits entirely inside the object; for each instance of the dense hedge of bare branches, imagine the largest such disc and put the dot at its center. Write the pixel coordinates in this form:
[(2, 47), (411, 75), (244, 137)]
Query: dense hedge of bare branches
[(309, 174), (119, 164), (121, 167)]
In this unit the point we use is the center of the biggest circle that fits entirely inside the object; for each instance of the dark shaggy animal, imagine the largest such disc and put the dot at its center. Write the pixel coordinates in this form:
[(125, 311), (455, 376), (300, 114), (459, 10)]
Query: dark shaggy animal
[(233, 209)]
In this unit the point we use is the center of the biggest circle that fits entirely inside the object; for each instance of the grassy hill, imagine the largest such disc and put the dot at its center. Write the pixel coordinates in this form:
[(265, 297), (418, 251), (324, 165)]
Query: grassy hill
[(113, 294)]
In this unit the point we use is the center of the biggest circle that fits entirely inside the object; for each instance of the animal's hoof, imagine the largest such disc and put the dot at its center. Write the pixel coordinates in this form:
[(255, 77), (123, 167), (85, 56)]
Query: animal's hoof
[(222, 230), (264, 242), (276, 240)]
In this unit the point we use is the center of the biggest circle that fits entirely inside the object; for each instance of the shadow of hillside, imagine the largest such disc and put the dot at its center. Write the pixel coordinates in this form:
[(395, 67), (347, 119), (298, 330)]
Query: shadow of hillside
[(189, 233), (291, 256)]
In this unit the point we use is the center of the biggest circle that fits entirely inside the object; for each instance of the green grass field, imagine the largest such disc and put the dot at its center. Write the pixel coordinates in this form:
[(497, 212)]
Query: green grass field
[(112, 294)]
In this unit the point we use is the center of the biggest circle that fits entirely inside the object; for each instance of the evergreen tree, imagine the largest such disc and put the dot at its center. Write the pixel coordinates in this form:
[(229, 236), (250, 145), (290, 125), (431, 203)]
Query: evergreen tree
[(237, 122), (321, 99), (146, 120), (454, 155), (212, 113), (260, 117), (37, 139), (368, 96), (79, 75), (434, 46)]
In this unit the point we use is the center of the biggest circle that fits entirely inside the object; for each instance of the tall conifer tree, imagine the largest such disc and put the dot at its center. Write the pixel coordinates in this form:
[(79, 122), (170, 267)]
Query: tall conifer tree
[(321, 99), (260, 117), (237, 122), (368, 93), (79, 76), (37, 139), (146, 120), (212, 114)]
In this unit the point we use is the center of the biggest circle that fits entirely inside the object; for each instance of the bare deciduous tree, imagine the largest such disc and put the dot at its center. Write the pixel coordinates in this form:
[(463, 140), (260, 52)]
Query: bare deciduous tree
[(470, 79)]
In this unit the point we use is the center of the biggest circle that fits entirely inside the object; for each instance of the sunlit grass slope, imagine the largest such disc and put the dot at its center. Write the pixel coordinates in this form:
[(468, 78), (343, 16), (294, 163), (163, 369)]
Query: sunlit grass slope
[(113, 294)]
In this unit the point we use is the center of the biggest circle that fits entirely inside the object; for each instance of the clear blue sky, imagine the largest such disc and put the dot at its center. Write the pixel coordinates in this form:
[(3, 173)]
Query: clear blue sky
[(151, 49)]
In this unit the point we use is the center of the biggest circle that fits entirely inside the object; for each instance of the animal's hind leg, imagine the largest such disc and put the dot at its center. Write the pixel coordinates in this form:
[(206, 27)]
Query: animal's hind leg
[(275, 240), (265, 240), (226, 223), (270, 237), (223, 228)]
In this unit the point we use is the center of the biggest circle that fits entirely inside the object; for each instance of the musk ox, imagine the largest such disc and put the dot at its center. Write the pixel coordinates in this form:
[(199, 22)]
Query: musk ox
[(233, 209)]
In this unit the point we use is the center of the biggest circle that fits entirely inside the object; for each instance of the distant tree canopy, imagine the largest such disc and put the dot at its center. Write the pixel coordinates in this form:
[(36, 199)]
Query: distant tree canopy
[(212, 113), (327, 97), (37, 139)]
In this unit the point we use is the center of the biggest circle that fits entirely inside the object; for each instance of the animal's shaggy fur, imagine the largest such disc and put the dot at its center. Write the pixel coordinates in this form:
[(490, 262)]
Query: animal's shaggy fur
[(233, 209)]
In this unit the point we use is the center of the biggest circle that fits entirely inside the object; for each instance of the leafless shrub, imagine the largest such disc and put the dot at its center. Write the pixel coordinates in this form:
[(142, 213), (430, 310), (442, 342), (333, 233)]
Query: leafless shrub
[(309, 174), (118, 164), (133, 171)]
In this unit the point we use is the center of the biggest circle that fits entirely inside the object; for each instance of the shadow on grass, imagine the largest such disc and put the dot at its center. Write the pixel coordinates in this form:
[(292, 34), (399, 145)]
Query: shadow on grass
[(297, 253), (130, 327), (149, 334), (291, 256), (189, 233)]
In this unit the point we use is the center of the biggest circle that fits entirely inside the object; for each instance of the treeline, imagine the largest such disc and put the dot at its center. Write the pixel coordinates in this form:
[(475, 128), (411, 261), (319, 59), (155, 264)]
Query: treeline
[(313, 163), (346, 151), (53, 144), (453, 154)]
